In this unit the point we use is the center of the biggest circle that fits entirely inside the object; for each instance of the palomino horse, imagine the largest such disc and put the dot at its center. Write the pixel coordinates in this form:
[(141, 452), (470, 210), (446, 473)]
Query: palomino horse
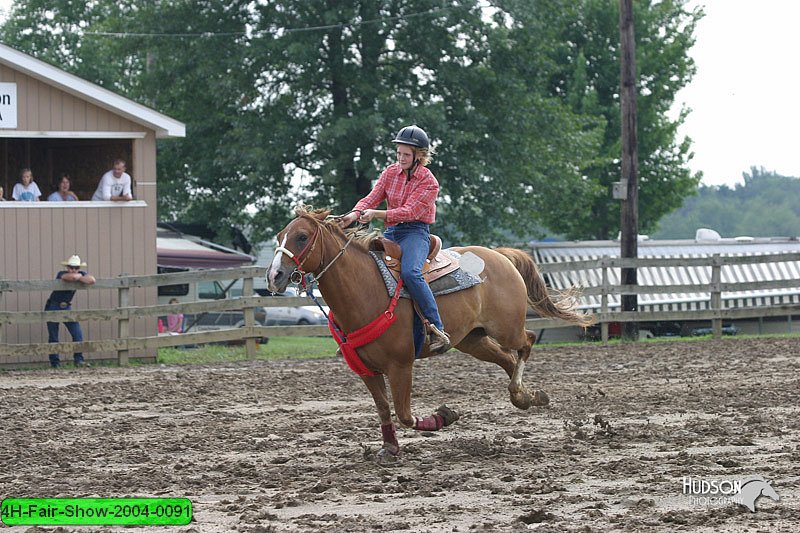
[(486, 320)]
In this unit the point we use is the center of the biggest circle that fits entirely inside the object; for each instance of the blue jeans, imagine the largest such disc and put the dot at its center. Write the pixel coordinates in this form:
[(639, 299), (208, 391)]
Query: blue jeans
[(52, 334), (414, 239)]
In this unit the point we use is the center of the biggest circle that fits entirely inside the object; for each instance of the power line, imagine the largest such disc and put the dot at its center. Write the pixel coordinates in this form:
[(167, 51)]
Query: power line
[(265, 32)]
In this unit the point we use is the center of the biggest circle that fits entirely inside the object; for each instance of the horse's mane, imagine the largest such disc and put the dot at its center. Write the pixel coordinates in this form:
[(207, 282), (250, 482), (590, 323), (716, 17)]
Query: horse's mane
[(362, 235)]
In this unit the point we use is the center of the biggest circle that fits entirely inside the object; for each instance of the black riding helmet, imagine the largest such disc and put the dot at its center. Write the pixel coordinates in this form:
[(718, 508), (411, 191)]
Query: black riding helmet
[(414, 136)]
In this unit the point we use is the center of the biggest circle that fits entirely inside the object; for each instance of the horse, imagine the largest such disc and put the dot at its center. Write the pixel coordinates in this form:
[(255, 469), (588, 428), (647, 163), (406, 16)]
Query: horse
[(486, 321)]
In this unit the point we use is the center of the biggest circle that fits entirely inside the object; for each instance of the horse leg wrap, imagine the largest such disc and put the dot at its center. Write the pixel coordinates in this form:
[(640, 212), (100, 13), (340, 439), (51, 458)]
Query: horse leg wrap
[(429, 423), (389, 434)]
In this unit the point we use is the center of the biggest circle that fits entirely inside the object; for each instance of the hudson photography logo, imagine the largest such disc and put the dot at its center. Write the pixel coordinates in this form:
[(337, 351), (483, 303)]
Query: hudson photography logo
[(717, 492)]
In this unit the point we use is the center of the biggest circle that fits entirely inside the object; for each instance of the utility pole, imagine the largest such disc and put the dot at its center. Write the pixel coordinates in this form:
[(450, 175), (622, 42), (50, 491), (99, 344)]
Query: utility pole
[(629, 212)]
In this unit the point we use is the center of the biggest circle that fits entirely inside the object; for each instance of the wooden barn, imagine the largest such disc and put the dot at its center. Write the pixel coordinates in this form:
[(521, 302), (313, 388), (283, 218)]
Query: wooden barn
[(54, 123)]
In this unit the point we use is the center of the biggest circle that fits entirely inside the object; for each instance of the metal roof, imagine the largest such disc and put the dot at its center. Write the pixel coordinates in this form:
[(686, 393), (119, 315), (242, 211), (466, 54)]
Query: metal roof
[(560, 252), (183, 251)]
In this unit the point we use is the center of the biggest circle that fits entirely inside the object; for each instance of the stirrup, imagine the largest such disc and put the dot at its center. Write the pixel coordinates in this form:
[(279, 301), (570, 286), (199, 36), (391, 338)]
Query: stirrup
[(439, 341)]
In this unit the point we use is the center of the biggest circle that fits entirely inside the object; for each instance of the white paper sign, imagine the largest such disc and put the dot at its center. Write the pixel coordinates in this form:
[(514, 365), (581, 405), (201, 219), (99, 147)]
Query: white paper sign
[(8, 105)]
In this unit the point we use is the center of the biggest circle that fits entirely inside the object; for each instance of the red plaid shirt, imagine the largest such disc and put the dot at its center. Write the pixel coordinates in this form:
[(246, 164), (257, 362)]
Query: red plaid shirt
[(407, 201)]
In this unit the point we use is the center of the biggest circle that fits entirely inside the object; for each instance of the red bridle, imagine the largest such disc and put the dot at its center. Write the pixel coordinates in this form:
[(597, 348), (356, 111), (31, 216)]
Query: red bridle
[(300, 258)]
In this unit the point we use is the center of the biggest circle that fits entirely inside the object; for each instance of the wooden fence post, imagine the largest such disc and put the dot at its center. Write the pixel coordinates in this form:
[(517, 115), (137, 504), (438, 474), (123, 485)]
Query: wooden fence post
[(604, 303), (716, 295), (249, 318), (123, 325)]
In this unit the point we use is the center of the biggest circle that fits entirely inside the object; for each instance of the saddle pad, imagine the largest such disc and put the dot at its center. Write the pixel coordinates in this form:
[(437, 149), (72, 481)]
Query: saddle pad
[(455, 281)]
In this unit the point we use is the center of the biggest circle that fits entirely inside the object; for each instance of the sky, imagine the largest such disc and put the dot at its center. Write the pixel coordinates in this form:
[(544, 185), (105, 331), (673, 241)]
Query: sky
[(744, 97), (746, 93)]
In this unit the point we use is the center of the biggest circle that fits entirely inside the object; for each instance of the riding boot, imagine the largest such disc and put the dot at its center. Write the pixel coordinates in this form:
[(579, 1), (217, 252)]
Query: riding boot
[(438, 340)]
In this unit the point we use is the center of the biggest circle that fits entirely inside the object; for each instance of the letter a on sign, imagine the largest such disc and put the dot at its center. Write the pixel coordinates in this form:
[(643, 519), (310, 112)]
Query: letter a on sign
[(8, 105)]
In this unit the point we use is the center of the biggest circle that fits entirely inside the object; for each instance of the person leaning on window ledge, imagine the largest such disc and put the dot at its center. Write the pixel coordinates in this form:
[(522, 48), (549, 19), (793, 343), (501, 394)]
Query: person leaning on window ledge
[(115, 185), (63, 194)]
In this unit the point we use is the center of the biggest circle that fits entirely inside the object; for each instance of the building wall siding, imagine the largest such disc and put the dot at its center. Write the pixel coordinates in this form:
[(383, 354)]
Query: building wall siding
[(46, 108), (114, 240)]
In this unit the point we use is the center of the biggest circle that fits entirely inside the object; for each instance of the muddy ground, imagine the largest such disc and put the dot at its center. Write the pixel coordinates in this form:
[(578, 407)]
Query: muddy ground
[(267, 446)]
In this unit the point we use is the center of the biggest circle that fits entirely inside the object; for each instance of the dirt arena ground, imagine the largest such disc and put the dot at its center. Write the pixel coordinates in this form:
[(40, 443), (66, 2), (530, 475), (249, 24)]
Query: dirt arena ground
[(267, 446)]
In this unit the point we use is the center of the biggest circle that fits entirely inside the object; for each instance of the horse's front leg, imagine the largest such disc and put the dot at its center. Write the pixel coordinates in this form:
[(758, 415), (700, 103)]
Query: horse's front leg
[(400, 381), (377, 388)]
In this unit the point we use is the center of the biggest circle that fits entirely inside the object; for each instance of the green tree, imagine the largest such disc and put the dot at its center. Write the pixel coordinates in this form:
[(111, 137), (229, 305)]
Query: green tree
[(344, 90), (764, 205), (298, 99), (586, 76)]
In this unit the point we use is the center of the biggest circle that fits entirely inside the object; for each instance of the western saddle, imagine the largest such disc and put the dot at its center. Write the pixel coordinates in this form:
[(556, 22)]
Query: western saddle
[(437, 264)]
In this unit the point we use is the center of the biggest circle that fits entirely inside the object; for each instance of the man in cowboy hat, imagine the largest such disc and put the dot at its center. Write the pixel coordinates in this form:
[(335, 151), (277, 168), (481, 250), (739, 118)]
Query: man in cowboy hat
[(62, 301)]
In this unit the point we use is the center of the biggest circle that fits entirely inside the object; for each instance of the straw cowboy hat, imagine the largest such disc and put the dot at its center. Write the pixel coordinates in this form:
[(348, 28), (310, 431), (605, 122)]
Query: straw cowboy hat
[(74, 261)]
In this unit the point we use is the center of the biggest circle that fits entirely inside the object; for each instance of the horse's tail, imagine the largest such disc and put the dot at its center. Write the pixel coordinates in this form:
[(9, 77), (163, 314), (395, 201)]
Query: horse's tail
[(538, 297)]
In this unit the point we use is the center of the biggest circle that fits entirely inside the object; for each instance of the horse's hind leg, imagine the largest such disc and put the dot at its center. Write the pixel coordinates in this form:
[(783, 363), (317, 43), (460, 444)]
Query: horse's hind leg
[(479, 345), (485, 348), (516, 386)]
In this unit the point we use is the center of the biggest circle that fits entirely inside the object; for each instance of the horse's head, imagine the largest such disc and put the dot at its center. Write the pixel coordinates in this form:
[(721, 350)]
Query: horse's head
[(299, 249), (753, 487)]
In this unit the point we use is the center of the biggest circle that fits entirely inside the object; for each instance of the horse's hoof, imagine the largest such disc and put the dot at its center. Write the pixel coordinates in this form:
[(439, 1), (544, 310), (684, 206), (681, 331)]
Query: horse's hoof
[(540, 398), (387, 457), (448, 415), (521, 399)]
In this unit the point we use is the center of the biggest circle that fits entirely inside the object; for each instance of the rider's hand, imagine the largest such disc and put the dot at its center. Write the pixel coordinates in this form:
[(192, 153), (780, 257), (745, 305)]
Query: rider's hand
[(366, 216), (348, 219)]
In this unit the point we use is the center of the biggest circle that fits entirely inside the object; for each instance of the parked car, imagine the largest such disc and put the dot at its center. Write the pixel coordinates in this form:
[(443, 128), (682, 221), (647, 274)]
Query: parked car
[(664, 329), (727, 329), (217, 320), (284, 316)]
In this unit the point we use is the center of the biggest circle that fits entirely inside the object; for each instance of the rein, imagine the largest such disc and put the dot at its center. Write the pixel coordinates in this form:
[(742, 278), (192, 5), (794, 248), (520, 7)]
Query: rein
[(341, 252), (347, 342)]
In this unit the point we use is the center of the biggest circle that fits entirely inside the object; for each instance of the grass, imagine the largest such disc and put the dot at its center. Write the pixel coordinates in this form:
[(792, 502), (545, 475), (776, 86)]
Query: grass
[(281, 348), (277, 348)]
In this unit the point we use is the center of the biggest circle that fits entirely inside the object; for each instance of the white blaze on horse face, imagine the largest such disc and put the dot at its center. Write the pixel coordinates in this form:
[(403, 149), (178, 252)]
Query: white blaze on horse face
[(276, 263)]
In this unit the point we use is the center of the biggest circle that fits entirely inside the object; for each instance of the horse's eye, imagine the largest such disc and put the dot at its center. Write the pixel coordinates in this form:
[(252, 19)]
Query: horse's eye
[(302, 237)]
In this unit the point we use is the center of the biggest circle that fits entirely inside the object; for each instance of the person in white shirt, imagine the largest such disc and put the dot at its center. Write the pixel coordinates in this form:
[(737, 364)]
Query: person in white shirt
[(115, 185), (26, 190)]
